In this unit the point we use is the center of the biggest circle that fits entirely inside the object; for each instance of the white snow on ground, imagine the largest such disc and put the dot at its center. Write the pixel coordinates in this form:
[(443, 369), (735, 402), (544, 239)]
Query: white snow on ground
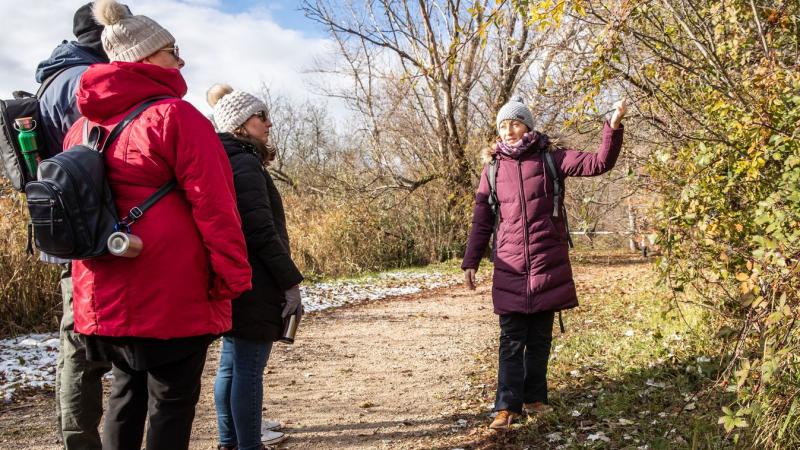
[(321, 296), (29, 361)]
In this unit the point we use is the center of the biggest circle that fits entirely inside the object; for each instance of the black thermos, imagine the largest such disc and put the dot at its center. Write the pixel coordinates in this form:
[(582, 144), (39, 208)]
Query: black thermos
[(290, 324)]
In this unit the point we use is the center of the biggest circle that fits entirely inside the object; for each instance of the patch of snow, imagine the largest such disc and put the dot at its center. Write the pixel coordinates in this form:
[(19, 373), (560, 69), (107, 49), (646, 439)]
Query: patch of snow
[(599, 436), (29, 361), (553, 437), (320, 296)]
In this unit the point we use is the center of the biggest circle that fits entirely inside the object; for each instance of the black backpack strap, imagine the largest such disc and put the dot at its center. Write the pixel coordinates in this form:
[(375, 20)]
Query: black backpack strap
[(491, 175), (92, 138), (127, 121), (557, 187), (49, 80), (558, 192), (137, 212)]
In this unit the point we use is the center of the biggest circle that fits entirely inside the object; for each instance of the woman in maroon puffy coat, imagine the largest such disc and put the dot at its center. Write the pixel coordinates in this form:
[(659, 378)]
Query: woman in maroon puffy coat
[(532, 273)]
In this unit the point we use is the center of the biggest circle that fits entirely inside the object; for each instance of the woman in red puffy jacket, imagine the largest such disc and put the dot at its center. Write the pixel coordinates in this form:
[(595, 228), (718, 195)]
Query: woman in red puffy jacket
[(153, 316)]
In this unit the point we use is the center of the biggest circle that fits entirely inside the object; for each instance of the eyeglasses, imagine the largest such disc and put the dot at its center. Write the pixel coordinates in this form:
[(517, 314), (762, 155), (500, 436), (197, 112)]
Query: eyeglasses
[(174, 51), (262, 115)]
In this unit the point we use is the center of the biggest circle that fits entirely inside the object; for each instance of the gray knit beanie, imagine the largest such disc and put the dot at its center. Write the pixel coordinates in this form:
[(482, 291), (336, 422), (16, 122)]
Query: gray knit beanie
[(127, 37), (232, 108), (515, 109)]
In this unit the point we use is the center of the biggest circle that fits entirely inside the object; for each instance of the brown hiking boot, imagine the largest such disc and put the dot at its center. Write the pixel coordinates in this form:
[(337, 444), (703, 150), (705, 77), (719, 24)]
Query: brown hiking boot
[(536, 408), (503, 420)]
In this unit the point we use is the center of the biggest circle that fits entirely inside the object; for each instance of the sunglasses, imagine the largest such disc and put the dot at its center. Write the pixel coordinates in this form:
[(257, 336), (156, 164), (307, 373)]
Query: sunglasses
[(174, 51), (262, 115)]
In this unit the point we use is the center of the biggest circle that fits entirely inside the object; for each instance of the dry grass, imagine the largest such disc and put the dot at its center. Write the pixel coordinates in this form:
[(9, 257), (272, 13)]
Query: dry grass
[(335, 236), (29, 295)]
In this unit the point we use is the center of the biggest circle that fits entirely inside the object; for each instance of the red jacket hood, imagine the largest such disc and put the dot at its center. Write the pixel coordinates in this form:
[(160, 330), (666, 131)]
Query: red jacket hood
[(110, 89)]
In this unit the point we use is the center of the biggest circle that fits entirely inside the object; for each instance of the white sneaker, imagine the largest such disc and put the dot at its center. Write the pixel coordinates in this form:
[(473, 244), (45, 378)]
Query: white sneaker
[(272, 437), (270, 425)]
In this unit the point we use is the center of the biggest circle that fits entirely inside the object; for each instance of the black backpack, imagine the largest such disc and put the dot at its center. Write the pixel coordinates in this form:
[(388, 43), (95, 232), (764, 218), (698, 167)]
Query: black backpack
[(71, 205), (24, 104)]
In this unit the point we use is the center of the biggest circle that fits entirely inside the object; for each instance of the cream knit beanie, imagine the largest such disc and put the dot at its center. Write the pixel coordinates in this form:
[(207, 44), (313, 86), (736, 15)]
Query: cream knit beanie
[(232, 108), (127, 37)]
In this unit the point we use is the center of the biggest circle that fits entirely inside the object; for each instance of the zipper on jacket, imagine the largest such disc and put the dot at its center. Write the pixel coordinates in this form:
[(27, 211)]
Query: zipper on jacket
[(525, 243)]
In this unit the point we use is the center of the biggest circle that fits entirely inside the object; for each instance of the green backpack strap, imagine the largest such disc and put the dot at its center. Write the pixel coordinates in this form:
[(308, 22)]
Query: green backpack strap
[(558, 192)]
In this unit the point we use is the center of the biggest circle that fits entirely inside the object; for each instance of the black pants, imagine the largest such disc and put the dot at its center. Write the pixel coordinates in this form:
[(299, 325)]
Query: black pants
[(524, 352), (165, 393)]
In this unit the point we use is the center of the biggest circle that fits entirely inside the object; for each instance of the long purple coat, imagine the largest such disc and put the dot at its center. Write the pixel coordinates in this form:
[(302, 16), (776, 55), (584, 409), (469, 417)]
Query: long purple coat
[(532, 272)]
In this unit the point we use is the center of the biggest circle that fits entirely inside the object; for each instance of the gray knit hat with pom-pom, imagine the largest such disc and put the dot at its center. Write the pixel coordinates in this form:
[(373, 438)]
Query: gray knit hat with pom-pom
[(127, 37), (232, 108), (515, 109)]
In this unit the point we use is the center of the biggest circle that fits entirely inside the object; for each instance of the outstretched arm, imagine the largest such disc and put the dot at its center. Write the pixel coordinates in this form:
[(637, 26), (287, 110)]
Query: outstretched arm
[(574, 163)]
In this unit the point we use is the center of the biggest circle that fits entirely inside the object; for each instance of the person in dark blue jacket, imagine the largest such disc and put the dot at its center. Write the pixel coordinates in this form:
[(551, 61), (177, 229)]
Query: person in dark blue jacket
[(79, 389), (67, 62)]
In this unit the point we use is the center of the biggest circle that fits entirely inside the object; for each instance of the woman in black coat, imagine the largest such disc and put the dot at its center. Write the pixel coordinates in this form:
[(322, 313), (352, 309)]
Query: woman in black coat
[(258, 314)]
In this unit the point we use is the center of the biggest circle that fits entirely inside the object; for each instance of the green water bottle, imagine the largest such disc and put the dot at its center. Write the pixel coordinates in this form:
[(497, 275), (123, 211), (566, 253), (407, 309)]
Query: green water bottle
[(28, 143)]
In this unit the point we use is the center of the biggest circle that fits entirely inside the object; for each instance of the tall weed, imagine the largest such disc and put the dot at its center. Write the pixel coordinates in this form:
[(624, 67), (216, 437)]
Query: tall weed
[(29, 296)]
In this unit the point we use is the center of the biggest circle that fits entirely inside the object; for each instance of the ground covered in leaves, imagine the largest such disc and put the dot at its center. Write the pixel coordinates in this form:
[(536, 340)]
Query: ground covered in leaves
[(635, 370)]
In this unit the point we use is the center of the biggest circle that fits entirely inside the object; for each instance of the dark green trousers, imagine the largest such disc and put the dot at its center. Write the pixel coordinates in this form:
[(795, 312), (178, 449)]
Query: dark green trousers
[(79, 387)]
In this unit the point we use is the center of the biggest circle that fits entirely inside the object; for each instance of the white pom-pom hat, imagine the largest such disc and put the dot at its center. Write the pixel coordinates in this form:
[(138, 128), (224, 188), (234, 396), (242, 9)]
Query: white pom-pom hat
[(127, 37), (232, 108)]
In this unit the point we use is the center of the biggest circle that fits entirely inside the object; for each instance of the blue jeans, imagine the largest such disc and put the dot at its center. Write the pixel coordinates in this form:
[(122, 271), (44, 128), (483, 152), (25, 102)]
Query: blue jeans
[(239, 392)]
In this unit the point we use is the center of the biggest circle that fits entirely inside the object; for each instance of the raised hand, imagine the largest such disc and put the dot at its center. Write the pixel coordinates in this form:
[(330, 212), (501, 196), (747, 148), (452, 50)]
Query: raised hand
[(620, 109)]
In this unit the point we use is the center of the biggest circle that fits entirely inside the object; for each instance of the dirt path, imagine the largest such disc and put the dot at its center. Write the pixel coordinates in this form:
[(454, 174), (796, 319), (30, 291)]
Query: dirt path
[(375, 375), (385, 374)]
